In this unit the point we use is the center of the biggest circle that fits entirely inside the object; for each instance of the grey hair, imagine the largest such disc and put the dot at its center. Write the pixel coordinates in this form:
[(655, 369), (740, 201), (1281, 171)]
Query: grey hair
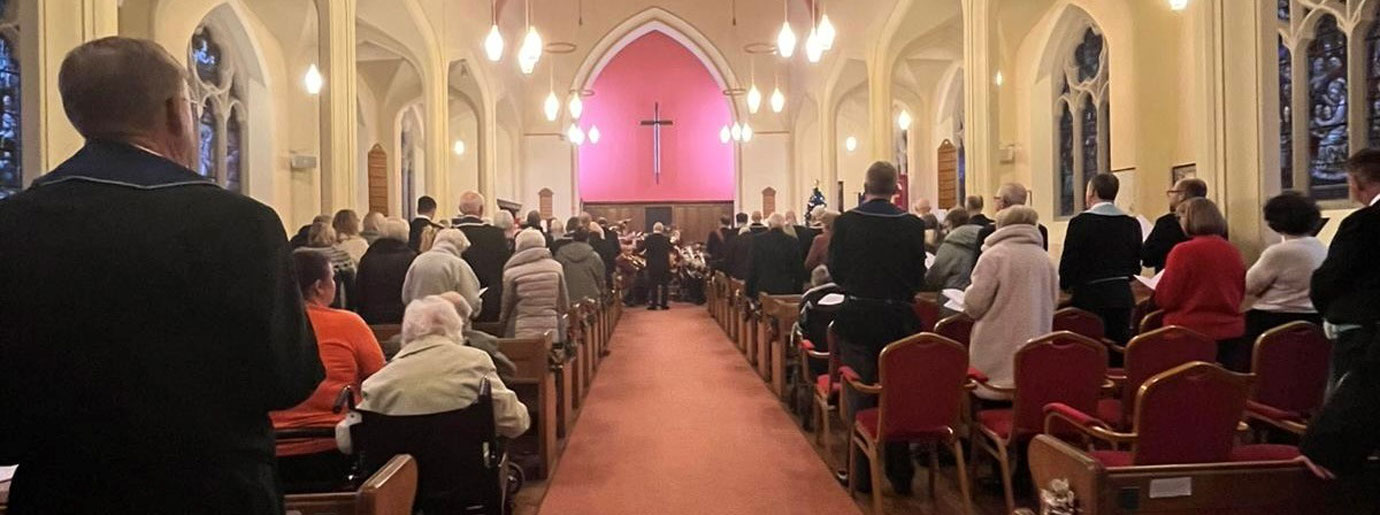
[(776, 221), (455, 237), (504, 220), (431, 316), (117, 87), (471, 203), (1017, 215), (1013, 194), (658, 228), (820, 276), (395, 229)]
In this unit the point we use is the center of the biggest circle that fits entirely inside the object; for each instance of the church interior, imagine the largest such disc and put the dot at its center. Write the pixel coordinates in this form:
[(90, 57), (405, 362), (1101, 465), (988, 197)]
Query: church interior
[(682, 113)]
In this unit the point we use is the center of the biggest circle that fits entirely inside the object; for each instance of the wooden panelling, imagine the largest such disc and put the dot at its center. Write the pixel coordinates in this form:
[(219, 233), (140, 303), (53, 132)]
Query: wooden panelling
[(948, 175), (378, 180), (694, 219)]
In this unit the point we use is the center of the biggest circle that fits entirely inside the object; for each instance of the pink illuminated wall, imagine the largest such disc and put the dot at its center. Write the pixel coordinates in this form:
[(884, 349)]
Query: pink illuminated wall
[(695, 166)]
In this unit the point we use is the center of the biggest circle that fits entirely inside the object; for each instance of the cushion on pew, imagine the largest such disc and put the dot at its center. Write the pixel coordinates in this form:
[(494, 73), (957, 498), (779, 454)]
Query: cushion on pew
[(822, 385), (998, 421), (867, 421)]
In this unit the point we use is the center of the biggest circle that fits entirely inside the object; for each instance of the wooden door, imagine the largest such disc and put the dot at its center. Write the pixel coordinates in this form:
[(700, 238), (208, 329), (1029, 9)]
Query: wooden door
[(378, 180), (948, 175)]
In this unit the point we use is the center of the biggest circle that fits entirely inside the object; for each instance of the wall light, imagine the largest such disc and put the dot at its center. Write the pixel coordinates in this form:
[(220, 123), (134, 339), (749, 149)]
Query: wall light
[(459, 147), (313, 80), (999, 79), (903, 120), (1178, 5), (850, 144)]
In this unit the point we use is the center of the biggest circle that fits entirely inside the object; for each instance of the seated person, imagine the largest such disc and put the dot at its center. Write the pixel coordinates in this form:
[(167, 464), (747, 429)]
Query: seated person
[(349, 353), (480, 339), (436, 372), (814, 318)]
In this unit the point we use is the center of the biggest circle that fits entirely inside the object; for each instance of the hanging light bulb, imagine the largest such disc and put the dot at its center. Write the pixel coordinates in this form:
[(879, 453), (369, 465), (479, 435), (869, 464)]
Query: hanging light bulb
[(594, 134), (493, 44), (313, 80), (725, 134), (814, 48), (552, 106), (754, 99), (575, 135), (1178, 5), (576, 106), (459, 147), (747, 133), (999, 79), (736, 132), (826, 33), (785, 41), (850, 144), (530, 52), (778, 100), (903, 120)]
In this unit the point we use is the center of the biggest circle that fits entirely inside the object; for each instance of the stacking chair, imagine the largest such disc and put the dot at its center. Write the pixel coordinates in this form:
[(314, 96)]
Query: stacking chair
[(958, 328), (1146, 355), (1061, 367), (1290, 364), (826, 387), (1151, 321), (1187, 414), (928, 312), (921, 382), (1082, 322)]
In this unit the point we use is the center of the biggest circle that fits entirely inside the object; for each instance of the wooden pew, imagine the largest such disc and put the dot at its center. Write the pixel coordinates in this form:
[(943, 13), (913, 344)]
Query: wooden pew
[(779, 314), (1219, 488), (390, 491), (566, 390), (748, 333), (536, 387), (735, 312)]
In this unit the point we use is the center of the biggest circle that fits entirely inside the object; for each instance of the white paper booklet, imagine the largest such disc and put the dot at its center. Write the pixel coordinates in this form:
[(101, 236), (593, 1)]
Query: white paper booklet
[(929, 260), (7, 473), (955, 299), (1150, 282)]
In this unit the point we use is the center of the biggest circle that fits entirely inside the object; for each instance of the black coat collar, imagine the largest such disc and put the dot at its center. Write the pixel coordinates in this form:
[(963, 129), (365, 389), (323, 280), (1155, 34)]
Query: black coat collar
[(122, 164)]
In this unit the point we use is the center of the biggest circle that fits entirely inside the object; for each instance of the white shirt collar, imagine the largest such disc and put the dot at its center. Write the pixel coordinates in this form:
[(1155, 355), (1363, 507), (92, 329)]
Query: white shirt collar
[(1375, 200), (1094, 206), (419, 215), (147, 149)]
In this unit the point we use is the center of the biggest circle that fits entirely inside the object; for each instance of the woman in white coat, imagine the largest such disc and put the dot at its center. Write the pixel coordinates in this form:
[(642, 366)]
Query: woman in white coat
[(1014, 292), (534, 289)]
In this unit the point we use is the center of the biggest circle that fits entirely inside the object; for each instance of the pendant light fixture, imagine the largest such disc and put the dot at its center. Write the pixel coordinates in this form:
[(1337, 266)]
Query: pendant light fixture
[(736, 132), (459, 147), (785, 41), (747, 132), (903, 120), (594, 135), (814, 48), (826, 31), (493, 43), (552, 106), (778, 99), (575, 106), (575, 135), (530, 52), (313, 80), (725, 134), (754, 96), (1178, 5)]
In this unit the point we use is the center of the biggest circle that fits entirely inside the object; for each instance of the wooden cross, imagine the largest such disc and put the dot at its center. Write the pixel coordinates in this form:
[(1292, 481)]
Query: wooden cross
[(656, 122)]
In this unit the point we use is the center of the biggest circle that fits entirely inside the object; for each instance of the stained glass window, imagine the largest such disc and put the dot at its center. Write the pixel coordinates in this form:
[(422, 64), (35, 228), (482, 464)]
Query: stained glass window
[(1286, 117), (1088, 55), (221, 129), (1284, 10), (1082, 111), (1067, 204), (206, 136), (206, 56), (1327, 101), (232, 151), (1089, 138), (11, 171)]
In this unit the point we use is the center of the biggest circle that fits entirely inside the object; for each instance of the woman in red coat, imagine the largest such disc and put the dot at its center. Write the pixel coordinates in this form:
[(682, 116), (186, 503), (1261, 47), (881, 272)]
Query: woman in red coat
[(1204, 283)]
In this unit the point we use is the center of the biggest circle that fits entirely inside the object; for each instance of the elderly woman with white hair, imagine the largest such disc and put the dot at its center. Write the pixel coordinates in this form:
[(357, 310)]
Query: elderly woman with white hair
[(443, 269), (1015, 264), (534, 290), (382, 272), (436, 372), (777, 266)]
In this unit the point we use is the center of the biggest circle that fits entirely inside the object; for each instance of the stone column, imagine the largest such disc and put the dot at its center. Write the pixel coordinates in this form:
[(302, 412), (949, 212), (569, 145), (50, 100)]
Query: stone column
[(48, 30), (338, 165), (980, 111)]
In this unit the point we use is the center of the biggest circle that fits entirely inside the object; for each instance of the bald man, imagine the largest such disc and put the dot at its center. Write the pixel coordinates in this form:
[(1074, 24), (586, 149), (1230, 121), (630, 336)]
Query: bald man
[(151, 319), (487, 254)]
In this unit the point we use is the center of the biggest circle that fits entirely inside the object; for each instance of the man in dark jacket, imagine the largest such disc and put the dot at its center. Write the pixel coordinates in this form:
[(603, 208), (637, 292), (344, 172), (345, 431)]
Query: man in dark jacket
[(1101, 253), (657, 251), (1010, 194), (777, 267), (877, 255), (150, 319), (606, 244), (740, 248), (804, 235), (1167, 232), (487, 254), (974, 207), (715, 245), (426, 214), (381, 273)]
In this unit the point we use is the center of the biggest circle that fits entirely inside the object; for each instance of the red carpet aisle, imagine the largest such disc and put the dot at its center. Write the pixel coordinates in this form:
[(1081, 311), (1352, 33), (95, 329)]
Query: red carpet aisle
[(676, 422)]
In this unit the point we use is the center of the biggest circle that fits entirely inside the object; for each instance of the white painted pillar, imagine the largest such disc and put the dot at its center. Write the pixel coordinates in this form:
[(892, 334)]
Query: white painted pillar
[(48, 30), (980, 114), (338, 166)]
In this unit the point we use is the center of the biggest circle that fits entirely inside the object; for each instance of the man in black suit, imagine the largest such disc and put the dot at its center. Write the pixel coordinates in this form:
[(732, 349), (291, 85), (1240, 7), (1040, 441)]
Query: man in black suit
[(974, 207), (606, 244), (1101, 253), (1010, 194), (777, 267), (717, 243), (1167, 232), (740, 252), (1346, 290), (877, 255), (657, 249), (487, 254), (141, 353), (426, 213), (804, 234)]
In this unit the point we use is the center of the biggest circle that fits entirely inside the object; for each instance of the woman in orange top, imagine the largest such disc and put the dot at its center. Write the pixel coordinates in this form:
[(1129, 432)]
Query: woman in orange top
[(349, 353)]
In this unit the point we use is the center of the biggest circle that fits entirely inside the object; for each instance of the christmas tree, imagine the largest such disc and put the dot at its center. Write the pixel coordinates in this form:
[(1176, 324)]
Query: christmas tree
[(816, 199)]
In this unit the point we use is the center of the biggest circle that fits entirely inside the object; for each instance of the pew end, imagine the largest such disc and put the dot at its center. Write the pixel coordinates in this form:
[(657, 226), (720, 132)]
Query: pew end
[(390, 491)]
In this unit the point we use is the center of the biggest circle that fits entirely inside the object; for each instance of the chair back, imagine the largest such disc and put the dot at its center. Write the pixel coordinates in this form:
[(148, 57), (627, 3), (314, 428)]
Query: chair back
[(922, 378), (1151, 321), (832, 340), (459, 456), (1157, 351), (1062, 367), (958, 328), (1290, 364), (1189, 414), (927, 311), (1080, 322)]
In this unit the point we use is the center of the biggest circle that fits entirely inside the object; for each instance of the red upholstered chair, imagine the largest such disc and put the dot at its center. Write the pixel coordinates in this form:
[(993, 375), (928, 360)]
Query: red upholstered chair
[(921, 380), (1082, 322), (826, 386), (1061, 367), (958, 328), (1146, 355), (928, 313), (1290, 364), (1187, 414), (1151, 321)]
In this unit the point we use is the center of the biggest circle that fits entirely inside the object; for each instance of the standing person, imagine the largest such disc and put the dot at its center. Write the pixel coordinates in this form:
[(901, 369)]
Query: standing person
[(1168, 232), (1204, 283), (1010, 194), (142, 384), (605, 243), (953, 264), (776, 262), (804, 234), (819, 248), (534, 222), (584, 269), (1346, 288), (373, 226), (716, 243), (424, 226), (1101, 253), (488, 252), (1280, 278), (657, 248), (347, 237), (442, 269), (740, 253), (923, 210), (534, 290), (877, 255), (974, 207), (382, 272)]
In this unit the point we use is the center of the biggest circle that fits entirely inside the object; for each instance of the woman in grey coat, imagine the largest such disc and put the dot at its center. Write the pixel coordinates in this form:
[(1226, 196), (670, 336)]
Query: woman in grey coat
[(953, 263), (584, 269), (534, 290)]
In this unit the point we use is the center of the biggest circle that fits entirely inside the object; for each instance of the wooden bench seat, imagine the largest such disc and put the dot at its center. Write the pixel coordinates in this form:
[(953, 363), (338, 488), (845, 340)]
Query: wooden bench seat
[(535, 385), (779, 315), (390, 491)]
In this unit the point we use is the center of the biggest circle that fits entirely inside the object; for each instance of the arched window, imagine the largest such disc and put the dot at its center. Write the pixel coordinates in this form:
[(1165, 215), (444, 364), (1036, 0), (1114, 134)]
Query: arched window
[(1324, 47), (1081, 112), (217, 91), (11, 169), (408, 165)]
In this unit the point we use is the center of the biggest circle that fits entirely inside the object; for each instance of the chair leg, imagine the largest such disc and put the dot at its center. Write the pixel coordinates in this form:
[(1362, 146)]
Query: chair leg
[(934, 466), (826, 433), (962, 477), (1005, 458), (874, 461), (852, 472)]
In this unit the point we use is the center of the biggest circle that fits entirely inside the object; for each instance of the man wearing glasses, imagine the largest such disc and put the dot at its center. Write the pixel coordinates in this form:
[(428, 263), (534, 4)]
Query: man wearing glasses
[(1167, 232)]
